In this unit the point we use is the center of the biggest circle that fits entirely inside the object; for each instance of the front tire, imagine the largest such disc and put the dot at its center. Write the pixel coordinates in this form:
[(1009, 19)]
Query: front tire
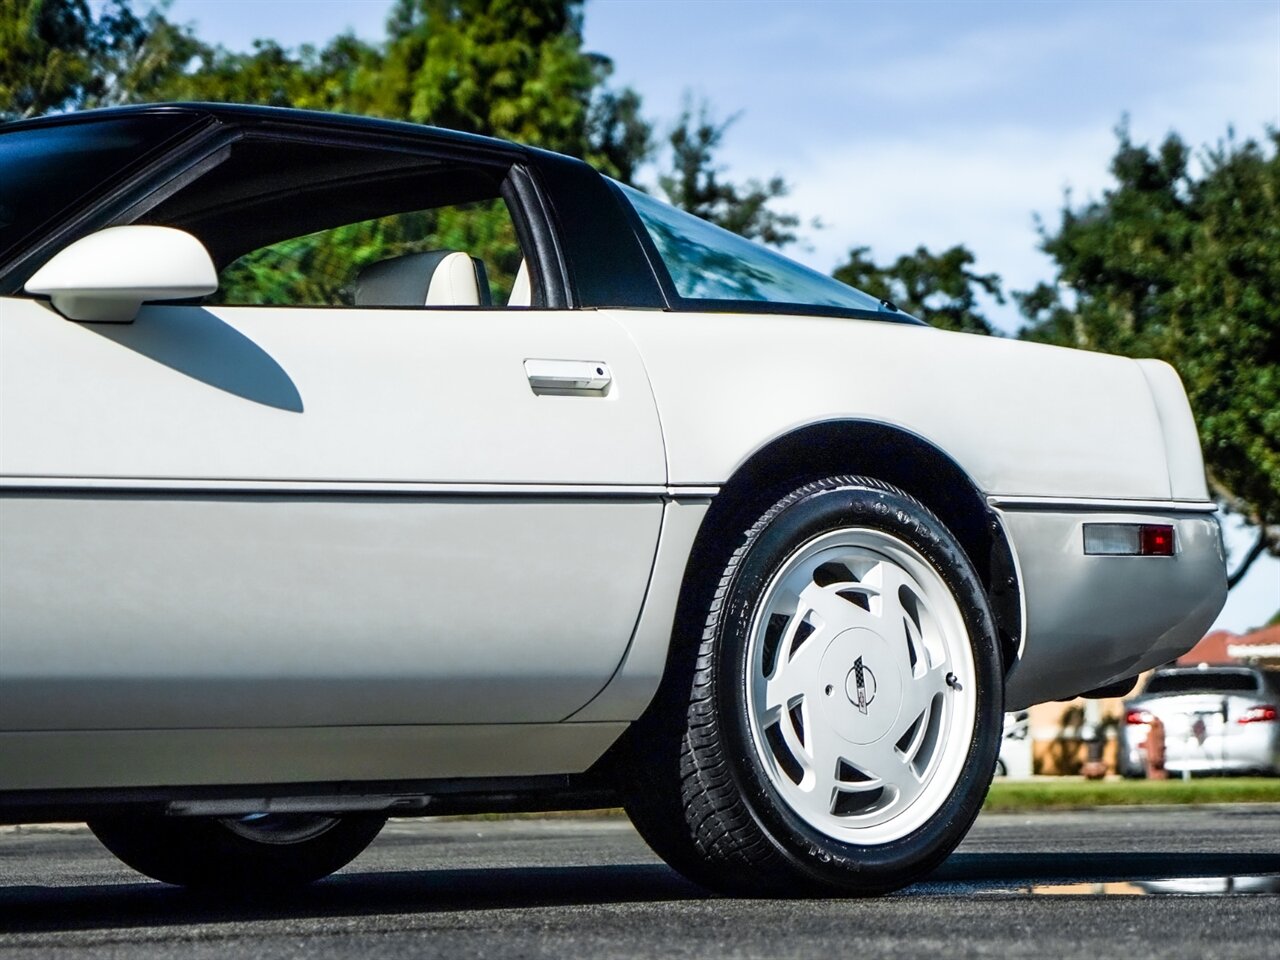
[(838, 724), (238, 854)]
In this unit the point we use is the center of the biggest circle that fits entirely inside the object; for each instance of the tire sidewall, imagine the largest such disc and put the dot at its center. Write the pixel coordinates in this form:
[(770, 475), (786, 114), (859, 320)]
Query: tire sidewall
[(810, 515)]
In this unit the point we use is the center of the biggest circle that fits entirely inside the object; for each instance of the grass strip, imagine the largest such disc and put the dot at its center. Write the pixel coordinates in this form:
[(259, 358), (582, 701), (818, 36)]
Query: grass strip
[(1065, 793), (1009, 796)]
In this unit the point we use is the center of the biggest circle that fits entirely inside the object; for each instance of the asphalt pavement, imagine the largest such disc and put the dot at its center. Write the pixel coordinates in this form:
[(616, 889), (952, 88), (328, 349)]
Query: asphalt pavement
[(1127, 883)]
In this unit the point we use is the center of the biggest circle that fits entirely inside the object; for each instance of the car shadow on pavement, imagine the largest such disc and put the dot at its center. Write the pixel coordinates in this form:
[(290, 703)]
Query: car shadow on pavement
[(35, 909), (352, 893)]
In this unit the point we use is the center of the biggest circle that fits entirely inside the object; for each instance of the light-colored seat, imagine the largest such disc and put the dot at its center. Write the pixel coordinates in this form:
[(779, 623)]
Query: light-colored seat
[(437, 278), (521, 290)]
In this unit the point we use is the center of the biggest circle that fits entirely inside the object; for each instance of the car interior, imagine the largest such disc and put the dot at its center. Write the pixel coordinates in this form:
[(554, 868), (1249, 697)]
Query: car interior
[(293, 223)]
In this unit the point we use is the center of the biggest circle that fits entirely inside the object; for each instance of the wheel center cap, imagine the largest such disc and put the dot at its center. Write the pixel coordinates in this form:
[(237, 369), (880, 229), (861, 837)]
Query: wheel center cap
[(860, 685)]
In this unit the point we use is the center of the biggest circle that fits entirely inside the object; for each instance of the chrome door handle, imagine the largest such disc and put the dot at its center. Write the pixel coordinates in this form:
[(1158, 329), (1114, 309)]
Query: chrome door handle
[(568, 376)]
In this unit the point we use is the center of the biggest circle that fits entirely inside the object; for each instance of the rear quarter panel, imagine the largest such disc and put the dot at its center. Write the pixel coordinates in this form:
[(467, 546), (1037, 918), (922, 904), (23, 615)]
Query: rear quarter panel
[(1021, 419)]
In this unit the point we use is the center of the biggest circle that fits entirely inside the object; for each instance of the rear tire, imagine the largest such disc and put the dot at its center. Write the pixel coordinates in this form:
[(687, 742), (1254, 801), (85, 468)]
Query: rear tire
[(837, 727), (243, 854)]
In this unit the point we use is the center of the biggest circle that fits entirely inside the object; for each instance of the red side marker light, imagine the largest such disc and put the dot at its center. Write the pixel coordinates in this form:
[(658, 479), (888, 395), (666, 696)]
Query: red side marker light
[(1155, 540), (1138, 717)]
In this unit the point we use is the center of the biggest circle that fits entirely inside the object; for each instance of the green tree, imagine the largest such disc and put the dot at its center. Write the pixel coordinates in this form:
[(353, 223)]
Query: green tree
[(55, 55), (506, 68), (492, 67), (327, 78), (1181, 261), (695, 182), (619, 138), (137, 57), (48, 56), (940, 289)]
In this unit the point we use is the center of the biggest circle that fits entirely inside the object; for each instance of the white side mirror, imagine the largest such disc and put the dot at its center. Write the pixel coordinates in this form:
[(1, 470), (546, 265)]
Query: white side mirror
[(106, 276)]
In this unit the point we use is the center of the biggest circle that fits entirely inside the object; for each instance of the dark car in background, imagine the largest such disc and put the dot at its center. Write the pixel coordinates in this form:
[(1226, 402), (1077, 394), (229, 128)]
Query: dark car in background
[(1216, 720)]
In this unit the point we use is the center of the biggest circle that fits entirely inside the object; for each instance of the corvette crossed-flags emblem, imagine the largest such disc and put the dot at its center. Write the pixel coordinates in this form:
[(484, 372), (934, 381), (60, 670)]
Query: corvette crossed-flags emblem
[(860, 678)]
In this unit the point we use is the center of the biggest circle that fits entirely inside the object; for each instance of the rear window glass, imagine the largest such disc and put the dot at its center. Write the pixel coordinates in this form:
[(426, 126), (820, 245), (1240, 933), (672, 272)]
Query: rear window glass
[(46, 170), (707, 262), (1205, 682)]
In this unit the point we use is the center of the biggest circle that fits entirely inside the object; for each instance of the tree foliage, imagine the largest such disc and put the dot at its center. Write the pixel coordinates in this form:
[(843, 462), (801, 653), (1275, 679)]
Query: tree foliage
[(55, 55), (1181, 260), (47, 56), (619, 137), (43, 62), (508, 68), (514, 69), (696, 183), (940, 289), (504, 68), (269, 75)]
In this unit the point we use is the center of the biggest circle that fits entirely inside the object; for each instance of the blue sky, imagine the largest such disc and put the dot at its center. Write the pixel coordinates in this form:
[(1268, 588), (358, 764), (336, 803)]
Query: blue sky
[(901, 123)]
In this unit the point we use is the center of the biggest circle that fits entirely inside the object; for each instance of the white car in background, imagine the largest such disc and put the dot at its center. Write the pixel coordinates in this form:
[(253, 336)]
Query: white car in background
[(1215, 719), (643, 513)]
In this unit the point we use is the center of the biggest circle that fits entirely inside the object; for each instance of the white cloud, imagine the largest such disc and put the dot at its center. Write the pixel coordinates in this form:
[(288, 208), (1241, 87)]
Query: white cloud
[(1233, 80), (976, 174), (989, 61), (895, 194)]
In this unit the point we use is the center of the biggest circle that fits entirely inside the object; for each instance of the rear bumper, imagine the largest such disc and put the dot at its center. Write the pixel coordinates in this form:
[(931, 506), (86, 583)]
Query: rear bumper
[(1090, 620), (1180, 758)]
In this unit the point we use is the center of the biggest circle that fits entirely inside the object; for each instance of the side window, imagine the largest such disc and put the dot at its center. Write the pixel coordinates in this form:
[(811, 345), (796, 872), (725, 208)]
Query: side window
[(290, 221), (322, 269), (706, 262)]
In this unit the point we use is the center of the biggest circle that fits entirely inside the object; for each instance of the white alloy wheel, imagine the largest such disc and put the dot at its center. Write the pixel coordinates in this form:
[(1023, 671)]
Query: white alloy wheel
[(861, 686), (836, 725)]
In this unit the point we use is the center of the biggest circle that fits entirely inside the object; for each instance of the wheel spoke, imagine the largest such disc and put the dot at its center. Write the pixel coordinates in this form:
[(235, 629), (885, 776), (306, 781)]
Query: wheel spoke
[(892, 579), (795, 675), (916, 659), (835, 611), (919, 692), (918, 727), (886, 766), (826, 753), (786, 729)]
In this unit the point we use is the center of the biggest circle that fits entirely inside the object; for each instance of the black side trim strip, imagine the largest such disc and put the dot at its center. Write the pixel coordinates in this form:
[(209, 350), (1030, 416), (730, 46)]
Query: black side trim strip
[(442, 797)]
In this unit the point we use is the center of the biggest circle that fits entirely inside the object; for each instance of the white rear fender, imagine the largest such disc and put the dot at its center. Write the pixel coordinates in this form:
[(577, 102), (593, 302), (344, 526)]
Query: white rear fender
[(1178, 426), (1021, 419)]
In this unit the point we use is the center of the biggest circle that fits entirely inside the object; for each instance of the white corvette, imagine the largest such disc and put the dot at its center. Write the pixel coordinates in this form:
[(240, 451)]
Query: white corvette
[(310, 515)]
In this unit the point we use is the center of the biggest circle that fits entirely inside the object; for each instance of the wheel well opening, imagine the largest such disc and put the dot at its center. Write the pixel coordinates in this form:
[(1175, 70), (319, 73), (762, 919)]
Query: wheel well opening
[(874, 450)]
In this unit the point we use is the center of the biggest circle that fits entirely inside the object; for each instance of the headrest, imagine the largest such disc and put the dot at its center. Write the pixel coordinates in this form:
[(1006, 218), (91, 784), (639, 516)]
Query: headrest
[(437, 278), (521, 291)]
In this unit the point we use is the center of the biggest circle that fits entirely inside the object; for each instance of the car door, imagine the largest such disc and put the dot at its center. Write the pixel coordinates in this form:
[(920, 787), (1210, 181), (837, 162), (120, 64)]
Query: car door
[(288, 516)]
